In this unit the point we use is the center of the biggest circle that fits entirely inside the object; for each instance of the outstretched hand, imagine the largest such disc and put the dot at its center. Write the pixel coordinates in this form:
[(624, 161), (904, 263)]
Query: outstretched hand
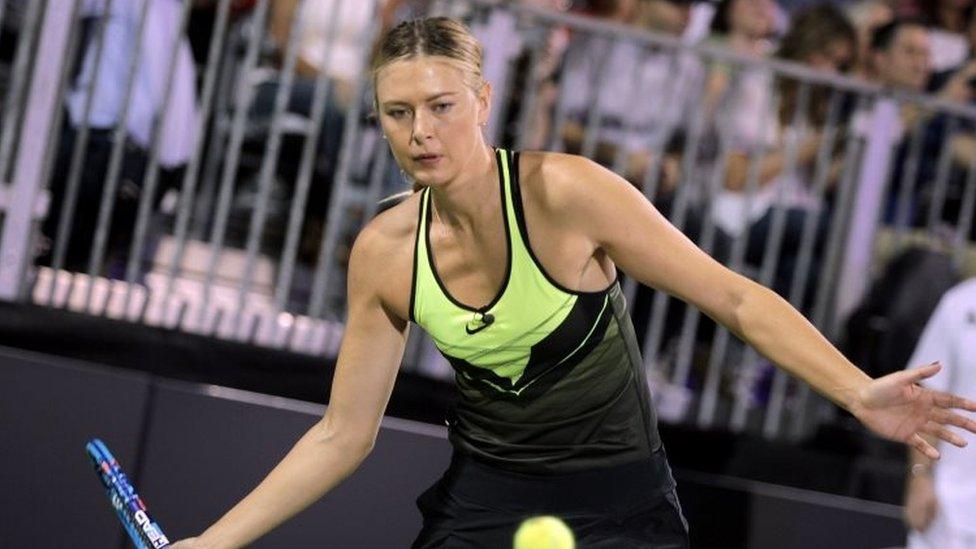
[(898, 408)]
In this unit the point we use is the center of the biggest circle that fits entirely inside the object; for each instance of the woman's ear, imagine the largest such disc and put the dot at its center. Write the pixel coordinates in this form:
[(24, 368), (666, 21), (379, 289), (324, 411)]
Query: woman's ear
[(484, 104)]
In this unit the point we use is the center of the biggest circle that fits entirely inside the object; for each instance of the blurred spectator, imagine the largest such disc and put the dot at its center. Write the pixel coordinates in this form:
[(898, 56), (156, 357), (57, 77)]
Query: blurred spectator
[(900, 55), (948, 21), (940, 496), (867, 16), (203, 17), (823, 38), (509, 48), (343, 57), (642, 94), (958, 83), (900, 58), (736, 96), (146, 109), (940, 77), (335, 39)]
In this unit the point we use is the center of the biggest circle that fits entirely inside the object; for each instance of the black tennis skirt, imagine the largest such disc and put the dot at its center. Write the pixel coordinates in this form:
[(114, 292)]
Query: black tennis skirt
[(475, 505)]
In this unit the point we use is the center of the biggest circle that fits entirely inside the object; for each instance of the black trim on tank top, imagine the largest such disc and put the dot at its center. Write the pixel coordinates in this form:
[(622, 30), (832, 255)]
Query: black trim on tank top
[(508, 245), (583, 330), (524, 231), (416, 252)]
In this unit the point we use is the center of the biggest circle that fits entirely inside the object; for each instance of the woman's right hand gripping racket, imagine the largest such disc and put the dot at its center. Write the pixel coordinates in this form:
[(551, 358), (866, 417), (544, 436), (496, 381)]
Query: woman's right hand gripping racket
[(143, 530)]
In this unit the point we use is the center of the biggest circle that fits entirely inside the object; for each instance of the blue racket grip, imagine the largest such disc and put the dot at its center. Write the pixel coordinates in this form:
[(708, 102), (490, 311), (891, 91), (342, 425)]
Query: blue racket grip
[(145, 532), (103, 469)]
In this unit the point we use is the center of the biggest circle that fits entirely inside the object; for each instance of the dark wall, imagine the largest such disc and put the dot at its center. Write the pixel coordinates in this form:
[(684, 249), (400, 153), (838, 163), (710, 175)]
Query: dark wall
[(49, 495), (193, 450), (204, 453), (200, 454), (731, 512)]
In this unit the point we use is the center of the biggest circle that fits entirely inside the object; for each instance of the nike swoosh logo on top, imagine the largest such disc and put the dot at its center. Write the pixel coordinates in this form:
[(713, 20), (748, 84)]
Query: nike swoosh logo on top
[(476, 330)]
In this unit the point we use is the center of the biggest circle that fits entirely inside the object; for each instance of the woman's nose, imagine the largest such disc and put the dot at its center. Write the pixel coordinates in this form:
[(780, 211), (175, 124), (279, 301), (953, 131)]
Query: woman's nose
[(422, 128)]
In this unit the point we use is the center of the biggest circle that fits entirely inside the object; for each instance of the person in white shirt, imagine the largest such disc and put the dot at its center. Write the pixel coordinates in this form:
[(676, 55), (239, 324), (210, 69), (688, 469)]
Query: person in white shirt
[(645, 95), (823, 39), (144, 112), (940, 498), (179, 117)]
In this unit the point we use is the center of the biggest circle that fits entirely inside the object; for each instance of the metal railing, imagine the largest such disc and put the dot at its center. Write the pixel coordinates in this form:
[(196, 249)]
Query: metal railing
[(249, 239)]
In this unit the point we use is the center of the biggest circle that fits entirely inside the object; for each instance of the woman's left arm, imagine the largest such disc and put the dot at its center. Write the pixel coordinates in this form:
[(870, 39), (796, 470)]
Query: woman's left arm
[(618, 219)]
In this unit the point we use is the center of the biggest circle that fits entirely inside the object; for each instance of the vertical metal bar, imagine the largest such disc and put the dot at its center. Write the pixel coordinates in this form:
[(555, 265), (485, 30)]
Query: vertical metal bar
[(188, 186), (774, 240), (151, 176), (906, 191), (966, 214), (801, 275), (226, 91), (942, 178), (270, 161), (55, 133), (232, 159), (66, 219), (622, 152), (709, 398), (381, 159), (337, 201), (12, 104), (17, 228), (499, 22), (320, 100), (115, 160), (834, 249), (529, 94), (592, 129), (560, 115), (652, 179)]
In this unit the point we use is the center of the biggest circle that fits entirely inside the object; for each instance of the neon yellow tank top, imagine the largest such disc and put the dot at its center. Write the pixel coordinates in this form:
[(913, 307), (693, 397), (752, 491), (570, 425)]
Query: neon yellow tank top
[(537, 355)]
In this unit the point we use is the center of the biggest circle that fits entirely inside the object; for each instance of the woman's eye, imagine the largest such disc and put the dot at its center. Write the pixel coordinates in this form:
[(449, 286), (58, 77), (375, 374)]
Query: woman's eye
[(442, 107), (397, 113)]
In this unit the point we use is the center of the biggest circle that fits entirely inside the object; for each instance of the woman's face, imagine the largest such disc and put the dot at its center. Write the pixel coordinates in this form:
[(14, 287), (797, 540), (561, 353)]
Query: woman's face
[(836, 56), (754, 18), (431, 117)]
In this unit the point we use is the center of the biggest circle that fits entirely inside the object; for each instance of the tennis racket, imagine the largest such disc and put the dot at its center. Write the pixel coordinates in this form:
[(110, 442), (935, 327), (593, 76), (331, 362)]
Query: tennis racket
[(143, 530)]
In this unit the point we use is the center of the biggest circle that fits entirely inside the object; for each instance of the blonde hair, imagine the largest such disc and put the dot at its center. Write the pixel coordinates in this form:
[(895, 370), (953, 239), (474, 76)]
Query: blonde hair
[(440, 36)]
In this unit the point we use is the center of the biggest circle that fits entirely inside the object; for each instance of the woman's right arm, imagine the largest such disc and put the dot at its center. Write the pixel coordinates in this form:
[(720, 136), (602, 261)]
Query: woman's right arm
[(335, 446)]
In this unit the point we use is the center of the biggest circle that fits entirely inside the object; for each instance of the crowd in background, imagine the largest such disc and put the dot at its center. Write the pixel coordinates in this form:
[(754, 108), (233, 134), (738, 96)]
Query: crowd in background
[(714, 142), (643, 104)]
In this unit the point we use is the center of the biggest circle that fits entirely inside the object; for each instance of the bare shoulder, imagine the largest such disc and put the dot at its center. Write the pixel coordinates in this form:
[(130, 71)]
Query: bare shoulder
[(557, 182), (381, 261)]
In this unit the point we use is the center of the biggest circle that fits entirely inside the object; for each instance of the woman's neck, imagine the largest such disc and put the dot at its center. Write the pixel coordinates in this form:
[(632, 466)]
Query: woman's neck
[(465, 201)]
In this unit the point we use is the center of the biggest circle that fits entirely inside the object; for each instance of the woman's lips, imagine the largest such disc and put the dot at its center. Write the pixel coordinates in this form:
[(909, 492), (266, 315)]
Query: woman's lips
[(428, 160)]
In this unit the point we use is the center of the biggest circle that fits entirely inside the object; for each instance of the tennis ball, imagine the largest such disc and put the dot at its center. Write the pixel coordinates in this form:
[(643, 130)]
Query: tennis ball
[(544, 533)]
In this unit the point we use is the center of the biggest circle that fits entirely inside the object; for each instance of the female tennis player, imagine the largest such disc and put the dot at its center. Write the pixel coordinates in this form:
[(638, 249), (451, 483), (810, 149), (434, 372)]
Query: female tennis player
[(509, 261)]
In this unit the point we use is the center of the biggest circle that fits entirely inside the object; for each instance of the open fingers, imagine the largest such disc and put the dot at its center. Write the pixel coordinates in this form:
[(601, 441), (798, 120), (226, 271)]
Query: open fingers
[(923, 372), (943, 433), (949, 400), (921, 445), (951, 418)]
